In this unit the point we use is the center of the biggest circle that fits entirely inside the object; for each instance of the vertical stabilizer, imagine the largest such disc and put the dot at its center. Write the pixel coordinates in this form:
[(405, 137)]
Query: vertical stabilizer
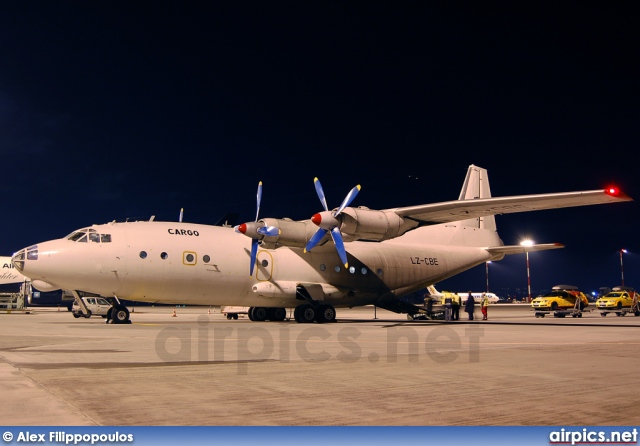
[(476, 185)]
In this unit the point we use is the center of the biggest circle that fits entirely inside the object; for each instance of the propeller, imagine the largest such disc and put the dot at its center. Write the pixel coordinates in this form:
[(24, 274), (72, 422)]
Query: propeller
[(327, 221), (256, 230)]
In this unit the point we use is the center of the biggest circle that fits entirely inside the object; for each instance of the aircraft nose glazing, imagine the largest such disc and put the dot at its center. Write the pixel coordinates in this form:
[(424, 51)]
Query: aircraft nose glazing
[(18, 259)]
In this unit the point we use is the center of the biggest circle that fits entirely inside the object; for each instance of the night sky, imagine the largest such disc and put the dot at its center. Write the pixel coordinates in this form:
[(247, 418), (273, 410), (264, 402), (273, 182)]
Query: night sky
[(127, 109)]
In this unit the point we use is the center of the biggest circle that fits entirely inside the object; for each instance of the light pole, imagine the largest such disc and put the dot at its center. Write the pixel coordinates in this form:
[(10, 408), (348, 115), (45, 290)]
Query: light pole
[(621, 266), (486, 266), (527, 243)]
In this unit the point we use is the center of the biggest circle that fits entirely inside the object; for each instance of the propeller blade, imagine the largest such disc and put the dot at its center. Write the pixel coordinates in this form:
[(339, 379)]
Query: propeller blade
[(320, 192), (337, 240), (348, 199), (315, 239), (268, 230), (254, 253), (259, 198)]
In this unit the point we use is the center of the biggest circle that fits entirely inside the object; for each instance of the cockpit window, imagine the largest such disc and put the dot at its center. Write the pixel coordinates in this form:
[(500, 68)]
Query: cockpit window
[(94, 236), (75, 236)]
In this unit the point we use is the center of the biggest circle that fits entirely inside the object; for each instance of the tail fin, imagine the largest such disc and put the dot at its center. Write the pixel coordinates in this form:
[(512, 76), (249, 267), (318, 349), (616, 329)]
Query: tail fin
[(476, 185)]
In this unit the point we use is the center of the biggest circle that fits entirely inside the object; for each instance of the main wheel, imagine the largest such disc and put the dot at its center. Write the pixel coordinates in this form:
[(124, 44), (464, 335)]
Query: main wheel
[(250, 314), (306, 313), (259, 314), (277, 314), (326, 313)]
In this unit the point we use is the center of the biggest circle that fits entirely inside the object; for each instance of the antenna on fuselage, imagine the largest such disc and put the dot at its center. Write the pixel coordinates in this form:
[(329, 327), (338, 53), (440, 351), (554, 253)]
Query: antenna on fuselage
[(181, 213)]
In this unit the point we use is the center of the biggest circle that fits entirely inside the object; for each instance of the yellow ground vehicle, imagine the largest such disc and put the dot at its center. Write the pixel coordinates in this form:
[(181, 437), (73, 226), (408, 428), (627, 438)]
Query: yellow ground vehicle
[(562, 300), (621, 300)]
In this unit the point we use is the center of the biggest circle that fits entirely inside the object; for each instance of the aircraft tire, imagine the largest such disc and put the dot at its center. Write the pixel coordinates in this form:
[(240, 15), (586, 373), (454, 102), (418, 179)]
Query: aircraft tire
[(307, 313), (260, 314), (296, 314), (250, 314), (277, 314), (325, 313), (120, 314)]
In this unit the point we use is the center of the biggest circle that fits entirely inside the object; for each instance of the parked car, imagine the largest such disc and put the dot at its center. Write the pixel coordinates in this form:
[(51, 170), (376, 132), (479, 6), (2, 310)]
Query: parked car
[(619, 298), (561, 297), (96, 306)]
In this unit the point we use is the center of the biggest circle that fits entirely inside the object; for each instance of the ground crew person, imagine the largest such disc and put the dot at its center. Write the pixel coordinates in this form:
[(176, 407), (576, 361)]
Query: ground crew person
[(455, 307), (469, 306), (448, 303), (485, 304)]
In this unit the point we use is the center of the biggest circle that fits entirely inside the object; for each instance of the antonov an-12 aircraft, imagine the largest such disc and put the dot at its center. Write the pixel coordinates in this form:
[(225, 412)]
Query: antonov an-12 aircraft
[(345, 257)]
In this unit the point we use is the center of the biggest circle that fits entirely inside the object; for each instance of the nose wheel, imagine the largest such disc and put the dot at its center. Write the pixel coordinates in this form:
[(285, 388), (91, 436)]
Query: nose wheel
[(119, 314)]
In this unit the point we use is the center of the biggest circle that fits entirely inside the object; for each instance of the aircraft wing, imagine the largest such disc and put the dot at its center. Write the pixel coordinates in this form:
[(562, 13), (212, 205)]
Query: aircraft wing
[(457, 210)]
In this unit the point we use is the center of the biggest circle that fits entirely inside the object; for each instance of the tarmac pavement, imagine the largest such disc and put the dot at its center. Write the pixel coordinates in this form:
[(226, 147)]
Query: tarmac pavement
[(372, 367)]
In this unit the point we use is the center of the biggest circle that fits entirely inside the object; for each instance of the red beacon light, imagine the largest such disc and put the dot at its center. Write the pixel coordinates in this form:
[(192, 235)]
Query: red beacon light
[(613, 191)]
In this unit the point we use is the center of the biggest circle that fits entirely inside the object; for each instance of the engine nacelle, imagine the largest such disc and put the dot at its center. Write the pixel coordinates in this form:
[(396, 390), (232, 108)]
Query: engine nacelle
[(292, 233), (365, 224)]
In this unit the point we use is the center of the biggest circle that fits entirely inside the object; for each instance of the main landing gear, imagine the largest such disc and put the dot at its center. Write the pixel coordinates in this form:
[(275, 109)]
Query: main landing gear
[(303, 313), (307, 313)]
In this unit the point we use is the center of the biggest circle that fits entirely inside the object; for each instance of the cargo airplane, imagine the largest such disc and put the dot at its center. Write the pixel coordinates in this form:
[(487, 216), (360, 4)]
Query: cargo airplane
[(345, 257)]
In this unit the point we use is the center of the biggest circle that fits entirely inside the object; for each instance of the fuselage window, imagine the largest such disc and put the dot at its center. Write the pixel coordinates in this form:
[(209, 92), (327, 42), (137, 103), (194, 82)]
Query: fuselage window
[(206, 258), (379, 271), (105, 238), (337, 268), (323, 267), (164, 255), (94, 237), (264, 263), (363, 271), (352, 269), (143, 254), (189, 258)]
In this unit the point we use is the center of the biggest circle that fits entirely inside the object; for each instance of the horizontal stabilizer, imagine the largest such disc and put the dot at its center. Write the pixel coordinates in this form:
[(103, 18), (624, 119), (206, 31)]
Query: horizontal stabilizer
[(519, 249)]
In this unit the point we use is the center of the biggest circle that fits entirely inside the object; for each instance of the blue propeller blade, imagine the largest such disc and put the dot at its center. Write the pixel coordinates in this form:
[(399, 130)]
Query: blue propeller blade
[(315, 239), (254, 253), (259, 197), (337, 240), (348, 199), (268, 230), (320, 192)]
